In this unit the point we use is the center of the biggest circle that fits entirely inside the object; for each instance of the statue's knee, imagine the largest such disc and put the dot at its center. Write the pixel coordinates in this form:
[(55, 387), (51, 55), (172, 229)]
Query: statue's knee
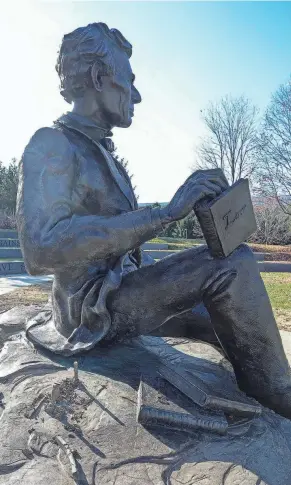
[(243, 254), (245, 250)]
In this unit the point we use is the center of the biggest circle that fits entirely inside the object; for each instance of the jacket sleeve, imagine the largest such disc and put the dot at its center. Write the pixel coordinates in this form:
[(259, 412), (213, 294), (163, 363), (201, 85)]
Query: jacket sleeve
[(52, 230)]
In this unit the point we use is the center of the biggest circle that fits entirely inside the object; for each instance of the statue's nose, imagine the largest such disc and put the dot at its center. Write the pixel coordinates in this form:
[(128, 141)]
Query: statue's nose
[(136, 96)]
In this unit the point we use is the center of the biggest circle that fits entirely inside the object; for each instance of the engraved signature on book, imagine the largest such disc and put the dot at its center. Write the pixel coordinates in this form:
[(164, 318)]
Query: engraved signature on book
[(229, 219)]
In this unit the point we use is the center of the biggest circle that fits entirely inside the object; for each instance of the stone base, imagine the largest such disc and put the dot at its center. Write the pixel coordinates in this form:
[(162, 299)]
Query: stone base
[(58, 431)]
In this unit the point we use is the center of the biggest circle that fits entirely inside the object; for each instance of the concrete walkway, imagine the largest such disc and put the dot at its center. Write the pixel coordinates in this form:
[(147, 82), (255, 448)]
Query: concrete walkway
[(11, 283)]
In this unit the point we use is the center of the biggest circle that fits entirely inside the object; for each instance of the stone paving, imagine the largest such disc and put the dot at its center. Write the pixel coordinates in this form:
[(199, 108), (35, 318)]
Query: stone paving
[(11, 283)]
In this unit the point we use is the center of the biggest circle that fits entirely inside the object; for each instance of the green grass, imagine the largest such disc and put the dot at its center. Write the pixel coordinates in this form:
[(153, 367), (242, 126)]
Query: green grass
[(279, 289), (175, 243)]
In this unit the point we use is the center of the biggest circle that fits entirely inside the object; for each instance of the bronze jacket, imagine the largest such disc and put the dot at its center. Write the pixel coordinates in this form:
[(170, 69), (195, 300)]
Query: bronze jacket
[(78, 219)]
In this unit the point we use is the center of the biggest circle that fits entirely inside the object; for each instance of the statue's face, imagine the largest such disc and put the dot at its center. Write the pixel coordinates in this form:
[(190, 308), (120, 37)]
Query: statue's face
[(119, 95)]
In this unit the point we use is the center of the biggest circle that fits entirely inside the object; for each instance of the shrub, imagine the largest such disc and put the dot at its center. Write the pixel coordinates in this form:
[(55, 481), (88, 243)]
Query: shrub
[(274, 226), (188, 228), (7, 221)]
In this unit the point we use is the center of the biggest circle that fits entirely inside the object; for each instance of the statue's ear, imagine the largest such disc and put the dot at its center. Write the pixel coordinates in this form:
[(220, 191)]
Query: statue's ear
[(96, 76)]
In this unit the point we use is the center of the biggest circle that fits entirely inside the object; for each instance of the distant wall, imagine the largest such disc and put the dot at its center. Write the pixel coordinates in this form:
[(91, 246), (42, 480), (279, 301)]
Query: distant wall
[(145, 204)]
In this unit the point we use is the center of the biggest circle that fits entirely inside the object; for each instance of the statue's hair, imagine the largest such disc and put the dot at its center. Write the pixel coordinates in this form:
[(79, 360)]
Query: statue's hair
[(80, 50)]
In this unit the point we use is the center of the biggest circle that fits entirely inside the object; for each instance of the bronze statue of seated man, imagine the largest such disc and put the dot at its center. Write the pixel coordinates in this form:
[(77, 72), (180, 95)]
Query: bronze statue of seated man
[(78, 219)]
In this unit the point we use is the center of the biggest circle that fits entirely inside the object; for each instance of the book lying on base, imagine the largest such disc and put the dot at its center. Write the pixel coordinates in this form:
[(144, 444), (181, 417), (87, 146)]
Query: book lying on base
[(228, 220), (160, 404), (198, 391)]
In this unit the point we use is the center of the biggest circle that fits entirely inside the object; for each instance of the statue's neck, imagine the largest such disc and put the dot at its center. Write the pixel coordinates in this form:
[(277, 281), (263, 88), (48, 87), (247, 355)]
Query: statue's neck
[(90, 110)]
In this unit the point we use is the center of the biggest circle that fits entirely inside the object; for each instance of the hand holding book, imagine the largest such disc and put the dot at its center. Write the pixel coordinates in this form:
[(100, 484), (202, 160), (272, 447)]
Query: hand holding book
[(200, 185), (225, 213), (228, 220)]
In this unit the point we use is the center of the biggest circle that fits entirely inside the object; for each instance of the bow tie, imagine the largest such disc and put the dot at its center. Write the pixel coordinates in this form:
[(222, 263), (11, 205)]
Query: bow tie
[(108, 144)]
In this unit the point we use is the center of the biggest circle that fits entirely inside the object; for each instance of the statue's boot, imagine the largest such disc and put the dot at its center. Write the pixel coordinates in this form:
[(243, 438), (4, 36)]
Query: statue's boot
[(244, 323)]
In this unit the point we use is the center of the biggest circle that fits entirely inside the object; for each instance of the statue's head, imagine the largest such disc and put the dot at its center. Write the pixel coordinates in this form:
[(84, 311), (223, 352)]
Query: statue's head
[(93, 63)]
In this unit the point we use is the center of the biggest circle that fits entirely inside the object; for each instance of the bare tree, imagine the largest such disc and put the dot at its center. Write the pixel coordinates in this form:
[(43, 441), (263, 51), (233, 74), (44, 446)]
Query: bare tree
[(231, 139), (274, 149)]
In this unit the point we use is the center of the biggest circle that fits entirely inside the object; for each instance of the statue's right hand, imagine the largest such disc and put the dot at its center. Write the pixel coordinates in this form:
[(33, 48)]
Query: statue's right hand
[(200, 184)]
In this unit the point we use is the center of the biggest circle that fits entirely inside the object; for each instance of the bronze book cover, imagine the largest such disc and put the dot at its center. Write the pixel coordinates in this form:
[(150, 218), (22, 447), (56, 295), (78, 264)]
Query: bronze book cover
[(228, 220), (204, 395)]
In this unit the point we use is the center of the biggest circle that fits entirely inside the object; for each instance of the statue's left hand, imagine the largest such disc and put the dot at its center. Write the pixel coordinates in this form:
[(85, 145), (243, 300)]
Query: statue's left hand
[(201, 184)]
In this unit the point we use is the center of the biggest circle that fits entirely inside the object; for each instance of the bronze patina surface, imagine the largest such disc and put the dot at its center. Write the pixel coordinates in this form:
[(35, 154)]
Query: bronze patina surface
[(78, 218)]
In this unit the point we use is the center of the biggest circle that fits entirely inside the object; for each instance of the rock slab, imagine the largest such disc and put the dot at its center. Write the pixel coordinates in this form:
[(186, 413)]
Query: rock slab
[(57, 430)]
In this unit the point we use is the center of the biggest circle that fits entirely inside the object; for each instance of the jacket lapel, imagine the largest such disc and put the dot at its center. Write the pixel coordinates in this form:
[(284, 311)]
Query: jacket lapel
[(77, 123), (119, 179)]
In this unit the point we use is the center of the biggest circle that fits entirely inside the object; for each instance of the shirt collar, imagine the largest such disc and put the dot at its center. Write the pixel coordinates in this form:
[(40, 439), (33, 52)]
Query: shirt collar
[(87, 127)]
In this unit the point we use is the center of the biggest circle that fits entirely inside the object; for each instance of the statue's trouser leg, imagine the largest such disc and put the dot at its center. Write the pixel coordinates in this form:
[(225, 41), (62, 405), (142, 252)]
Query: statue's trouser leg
[(244, 323), (236, 299), (194, 324)]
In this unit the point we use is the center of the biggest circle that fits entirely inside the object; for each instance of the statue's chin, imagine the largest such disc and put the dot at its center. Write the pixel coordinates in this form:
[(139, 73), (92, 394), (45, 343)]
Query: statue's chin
[(125, 124)]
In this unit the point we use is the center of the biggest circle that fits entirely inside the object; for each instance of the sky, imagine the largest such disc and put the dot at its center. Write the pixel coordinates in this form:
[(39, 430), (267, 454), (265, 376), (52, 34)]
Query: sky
[(185, 54)]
